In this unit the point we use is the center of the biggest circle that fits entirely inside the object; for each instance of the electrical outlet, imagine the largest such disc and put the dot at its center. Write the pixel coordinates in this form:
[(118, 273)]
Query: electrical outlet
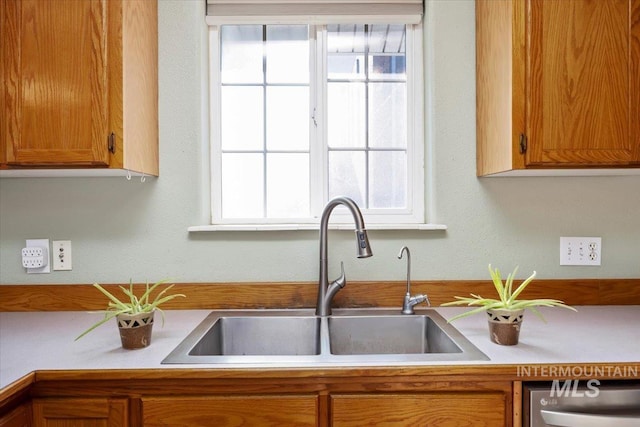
[(32, 257), (580, 251), (35, 256), (61, 255)]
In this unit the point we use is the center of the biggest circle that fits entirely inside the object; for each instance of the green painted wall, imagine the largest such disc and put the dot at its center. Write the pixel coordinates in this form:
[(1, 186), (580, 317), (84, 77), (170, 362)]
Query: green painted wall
[(126, 229)]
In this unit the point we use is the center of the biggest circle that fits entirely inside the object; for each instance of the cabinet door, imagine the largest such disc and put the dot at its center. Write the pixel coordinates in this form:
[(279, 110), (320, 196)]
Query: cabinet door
[(55, 82), (419, 409), (583, 74), (19, 417), (223, 411), (80, 412), (3, 150)]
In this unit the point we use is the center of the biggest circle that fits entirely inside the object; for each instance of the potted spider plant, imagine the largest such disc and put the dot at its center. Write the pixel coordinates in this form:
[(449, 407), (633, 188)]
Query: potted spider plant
[(505, 314), (135, 314)]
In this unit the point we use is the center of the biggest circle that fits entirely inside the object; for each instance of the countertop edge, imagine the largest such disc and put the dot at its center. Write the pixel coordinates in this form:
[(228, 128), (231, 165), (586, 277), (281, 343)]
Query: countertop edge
[(467, 372)]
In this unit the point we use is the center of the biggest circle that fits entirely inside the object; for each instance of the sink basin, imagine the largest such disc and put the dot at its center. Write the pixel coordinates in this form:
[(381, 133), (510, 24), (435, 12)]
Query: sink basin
[(348, 337), (254, 335), (388, 335)]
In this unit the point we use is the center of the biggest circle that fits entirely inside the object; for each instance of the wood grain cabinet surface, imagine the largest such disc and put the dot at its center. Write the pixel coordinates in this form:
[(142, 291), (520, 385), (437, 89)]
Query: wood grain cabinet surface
[(19, 417), (273, 401), (79, 84), (80, 412), (558, 84), (419, 409), (230, 411)]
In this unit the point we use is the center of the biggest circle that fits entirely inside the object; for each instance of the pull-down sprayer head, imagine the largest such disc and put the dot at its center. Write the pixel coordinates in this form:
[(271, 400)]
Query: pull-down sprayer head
[(364, 249)]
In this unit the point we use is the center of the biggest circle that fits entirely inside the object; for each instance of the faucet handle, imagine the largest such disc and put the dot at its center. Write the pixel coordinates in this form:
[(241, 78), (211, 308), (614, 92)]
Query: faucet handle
[(335, 286), (409, 302), (342, 280)]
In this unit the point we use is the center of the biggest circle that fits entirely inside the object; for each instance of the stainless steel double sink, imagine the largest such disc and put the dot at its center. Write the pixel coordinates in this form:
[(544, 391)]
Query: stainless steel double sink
[(299, 336)]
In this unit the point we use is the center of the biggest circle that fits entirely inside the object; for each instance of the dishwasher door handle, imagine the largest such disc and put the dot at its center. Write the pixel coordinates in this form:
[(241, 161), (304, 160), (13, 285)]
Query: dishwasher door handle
[(576, 419)]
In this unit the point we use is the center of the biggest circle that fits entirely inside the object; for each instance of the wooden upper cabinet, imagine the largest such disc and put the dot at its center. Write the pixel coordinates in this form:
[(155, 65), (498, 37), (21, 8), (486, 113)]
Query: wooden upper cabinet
[(133, 84), (80, 84), (558, 84), (3, 150), (56, 82)]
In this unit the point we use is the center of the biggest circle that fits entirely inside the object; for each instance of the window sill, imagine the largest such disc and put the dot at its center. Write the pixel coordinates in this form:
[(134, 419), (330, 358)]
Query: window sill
[(303, 227)]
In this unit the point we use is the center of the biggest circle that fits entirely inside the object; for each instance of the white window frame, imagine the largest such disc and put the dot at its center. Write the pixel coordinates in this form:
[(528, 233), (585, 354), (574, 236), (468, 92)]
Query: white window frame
[(413, 217)]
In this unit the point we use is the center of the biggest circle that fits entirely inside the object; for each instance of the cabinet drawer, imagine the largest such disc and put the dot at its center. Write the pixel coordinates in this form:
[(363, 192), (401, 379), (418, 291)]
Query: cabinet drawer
[(419, 409), (221, 411)]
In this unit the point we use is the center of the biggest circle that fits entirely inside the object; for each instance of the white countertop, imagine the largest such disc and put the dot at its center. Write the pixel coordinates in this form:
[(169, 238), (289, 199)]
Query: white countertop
[(34, 341)]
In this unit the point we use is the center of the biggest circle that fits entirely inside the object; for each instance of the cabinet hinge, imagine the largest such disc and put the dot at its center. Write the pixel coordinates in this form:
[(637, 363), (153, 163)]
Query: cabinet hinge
[(111, 142), (523, 143)]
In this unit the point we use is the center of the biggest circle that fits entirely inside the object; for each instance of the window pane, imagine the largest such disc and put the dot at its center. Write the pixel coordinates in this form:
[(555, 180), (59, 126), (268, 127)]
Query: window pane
[(345, 38), (345, 52), (387, 59), (388, 179), (385, 38), (347, 115), (241, 53), (288, 118), (287, 54), (387, 67), (242, 186), (288, 185), (387, 115), (242, 118), (347, 175), (272, 76), (345, 66)]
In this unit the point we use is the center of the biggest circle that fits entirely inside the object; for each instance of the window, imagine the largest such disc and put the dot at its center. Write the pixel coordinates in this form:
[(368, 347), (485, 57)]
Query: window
[(302, 113)]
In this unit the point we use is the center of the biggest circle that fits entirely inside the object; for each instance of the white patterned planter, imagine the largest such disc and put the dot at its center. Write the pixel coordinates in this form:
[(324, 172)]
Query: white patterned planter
[(504, 325)]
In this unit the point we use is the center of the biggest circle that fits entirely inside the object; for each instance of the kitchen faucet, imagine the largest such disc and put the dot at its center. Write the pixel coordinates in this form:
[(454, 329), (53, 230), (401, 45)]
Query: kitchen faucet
[(327, 291), (410, 301)]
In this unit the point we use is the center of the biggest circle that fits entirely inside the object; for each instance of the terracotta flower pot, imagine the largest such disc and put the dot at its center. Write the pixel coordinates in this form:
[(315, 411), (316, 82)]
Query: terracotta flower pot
[(135, 329), (504, 326)]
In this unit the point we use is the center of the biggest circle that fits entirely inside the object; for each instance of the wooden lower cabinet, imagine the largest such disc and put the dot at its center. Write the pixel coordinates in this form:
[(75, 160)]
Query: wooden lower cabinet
[(272, 401), (439, 409), (228, 411), (19, 417), (79, 412)]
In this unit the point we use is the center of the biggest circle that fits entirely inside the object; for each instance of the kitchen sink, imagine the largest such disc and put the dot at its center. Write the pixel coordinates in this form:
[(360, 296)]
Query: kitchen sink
[(260, 335), (414, 334), (348, 337)]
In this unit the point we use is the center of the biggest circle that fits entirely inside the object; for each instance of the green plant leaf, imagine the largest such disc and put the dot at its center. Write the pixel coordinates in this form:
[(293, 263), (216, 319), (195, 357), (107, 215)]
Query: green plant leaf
[(466, 313), (522, 286), (537, 313), (507, 297), (497, 281), (117, 303), (157, 302), (108, 316), (149, 290), (133, 304)]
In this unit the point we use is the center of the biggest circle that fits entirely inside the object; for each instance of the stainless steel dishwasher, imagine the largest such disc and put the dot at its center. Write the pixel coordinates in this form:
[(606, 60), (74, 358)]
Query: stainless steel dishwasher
[(581, 404)]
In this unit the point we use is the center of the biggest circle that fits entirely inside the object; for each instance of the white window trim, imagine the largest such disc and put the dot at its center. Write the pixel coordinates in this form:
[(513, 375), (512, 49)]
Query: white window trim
[(415, 168)]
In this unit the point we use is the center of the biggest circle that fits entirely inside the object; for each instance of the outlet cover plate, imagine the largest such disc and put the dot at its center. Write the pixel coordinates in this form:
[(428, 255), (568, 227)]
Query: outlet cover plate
[(580, 251), (40, 243), (61, 255)]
